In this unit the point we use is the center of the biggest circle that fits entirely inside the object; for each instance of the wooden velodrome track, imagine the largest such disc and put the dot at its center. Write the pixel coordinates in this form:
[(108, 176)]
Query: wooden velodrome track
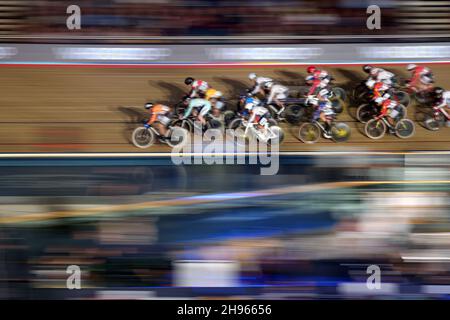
[(95, 109)]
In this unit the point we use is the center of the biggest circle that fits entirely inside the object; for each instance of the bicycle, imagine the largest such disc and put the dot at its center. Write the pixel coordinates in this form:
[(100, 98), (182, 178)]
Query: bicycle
[(310, 132), (377, 127), (145, 136)]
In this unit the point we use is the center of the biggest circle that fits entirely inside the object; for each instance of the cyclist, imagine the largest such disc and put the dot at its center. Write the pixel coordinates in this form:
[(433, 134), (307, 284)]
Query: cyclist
[(258, 114), (250, 102), (258, 83), (378, 75), (323, 109), (199, 107), (380, 92), (159, 118), (215, 98), (276, 93), (317, 74), (421, 78), (197, 87), (442, 100), (389, 110)]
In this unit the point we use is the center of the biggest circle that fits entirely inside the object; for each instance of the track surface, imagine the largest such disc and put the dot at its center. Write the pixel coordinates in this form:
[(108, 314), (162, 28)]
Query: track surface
[(62, 109)]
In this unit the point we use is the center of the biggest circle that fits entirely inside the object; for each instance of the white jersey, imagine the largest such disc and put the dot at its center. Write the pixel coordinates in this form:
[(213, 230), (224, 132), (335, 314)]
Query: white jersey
[(259, 111), (198, 86), (277, 92), (260, 82), (381, 75), (445, 102)]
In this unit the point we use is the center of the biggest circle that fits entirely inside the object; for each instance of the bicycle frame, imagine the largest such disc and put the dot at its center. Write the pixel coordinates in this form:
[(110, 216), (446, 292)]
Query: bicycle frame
[(442, 110), (252, 126)]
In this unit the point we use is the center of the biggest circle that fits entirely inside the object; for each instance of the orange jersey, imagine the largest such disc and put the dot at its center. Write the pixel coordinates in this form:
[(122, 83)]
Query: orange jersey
[(157, 110), (378, 89)]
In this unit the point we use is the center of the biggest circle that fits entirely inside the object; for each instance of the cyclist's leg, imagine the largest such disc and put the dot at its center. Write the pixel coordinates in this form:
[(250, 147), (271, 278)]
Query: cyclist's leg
[(203, 112)]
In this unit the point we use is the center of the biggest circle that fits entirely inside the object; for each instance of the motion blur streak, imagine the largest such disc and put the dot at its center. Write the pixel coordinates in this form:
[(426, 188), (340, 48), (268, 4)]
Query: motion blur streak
[(208, 199), (150, 231)]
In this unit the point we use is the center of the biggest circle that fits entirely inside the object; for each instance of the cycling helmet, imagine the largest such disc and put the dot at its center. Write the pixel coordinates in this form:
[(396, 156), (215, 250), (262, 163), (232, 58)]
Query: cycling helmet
[(411, 67), (217, 95), (188, 80), (311, 69), (148, 105), (367, 68), (252, 76), (268, 85), (438, 91), (251, 100), (249, 106)]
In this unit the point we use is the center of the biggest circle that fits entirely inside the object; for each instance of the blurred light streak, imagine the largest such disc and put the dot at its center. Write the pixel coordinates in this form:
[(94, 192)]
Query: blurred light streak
[(7, 219)]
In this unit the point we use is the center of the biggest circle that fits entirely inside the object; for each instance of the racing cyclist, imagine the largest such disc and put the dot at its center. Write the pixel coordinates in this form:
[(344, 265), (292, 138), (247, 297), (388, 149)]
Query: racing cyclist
[(199, 107), (276, 93), (322, 109), (421, 78), (197, 87), (378, 75), (317, 74), (258, 83), (258, 115), (442, 100), (159, 118), (215, 98), (389, 109)]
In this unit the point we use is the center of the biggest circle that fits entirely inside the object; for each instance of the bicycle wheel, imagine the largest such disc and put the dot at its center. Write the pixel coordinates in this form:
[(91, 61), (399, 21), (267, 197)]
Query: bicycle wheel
[(365, 112), (402, 97), (340, 132), (404, 128), (337, 104), (294, 113), (185, 124), (309, 133), (272, 122), (228, 116), (339, 93), (143, 137), (375, 129), (359, 90), (402, 112), (235, 124), (178, 137), (431, 123), (422, 98), (278, 132), (215, 124)]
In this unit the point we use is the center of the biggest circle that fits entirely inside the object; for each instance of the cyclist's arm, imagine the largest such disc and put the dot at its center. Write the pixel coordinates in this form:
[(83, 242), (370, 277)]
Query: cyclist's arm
[(152, 119), (193, 93), (271, 96), (256, 89), (443, 104)]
